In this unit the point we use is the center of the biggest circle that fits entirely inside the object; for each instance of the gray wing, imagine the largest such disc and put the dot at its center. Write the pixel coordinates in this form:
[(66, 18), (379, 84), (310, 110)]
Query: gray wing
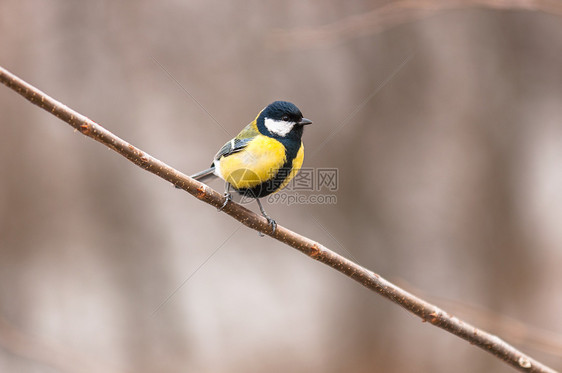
[(231, 147), (239, 142)]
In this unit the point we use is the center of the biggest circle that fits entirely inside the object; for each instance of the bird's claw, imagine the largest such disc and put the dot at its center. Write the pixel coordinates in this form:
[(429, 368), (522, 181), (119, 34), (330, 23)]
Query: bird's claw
[(272, 223), (227, 198)]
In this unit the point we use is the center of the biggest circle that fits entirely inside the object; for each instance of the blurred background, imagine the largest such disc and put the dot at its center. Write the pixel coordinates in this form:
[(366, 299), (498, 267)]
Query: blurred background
[(445, 127)]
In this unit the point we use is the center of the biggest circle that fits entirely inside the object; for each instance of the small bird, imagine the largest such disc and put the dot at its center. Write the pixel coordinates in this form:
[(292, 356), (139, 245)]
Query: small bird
[(264, 157)]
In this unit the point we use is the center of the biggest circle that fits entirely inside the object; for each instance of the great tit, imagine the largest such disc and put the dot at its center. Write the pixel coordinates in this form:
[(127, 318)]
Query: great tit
[(264, 157)]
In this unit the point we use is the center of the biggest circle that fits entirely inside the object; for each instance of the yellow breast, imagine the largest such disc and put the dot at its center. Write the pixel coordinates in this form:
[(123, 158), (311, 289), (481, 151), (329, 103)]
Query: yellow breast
[(258, 162)]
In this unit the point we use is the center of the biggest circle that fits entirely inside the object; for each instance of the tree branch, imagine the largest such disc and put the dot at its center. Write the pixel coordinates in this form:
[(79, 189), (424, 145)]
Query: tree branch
[(417, 306)]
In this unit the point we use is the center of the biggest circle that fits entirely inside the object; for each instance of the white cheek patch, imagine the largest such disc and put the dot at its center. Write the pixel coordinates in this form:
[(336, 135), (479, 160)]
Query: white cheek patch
[(279, 127)]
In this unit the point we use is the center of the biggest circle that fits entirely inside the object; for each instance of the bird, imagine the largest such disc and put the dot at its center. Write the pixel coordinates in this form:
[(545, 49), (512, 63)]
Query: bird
[(264, 157)]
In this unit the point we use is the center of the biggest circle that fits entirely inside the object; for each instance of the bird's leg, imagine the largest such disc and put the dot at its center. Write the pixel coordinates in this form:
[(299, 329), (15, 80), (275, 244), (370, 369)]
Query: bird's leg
[(227, 196), (271, 222)]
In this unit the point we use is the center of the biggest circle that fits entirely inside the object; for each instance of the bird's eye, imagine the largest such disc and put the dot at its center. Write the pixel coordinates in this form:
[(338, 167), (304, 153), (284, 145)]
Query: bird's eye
[(285, 118)]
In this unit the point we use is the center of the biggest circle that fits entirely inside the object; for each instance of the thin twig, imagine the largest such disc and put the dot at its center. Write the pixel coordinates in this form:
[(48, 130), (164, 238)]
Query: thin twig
[(417, 306), (533, 337), (390, 15)]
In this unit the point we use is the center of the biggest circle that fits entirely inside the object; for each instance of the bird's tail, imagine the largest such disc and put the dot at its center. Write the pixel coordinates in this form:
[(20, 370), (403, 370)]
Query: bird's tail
[(204, 175)]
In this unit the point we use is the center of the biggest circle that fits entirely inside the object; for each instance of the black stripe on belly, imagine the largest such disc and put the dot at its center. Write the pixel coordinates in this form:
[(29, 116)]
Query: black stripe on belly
[(273, 184)]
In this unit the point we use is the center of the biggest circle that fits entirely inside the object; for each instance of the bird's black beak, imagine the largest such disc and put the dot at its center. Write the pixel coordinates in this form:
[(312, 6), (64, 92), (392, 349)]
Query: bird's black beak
[(304, 122)]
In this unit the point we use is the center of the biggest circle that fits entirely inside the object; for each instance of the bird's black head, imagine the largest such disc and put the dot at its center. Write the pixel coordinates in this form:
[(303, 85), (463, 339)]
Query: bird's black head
[(282, 119)]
